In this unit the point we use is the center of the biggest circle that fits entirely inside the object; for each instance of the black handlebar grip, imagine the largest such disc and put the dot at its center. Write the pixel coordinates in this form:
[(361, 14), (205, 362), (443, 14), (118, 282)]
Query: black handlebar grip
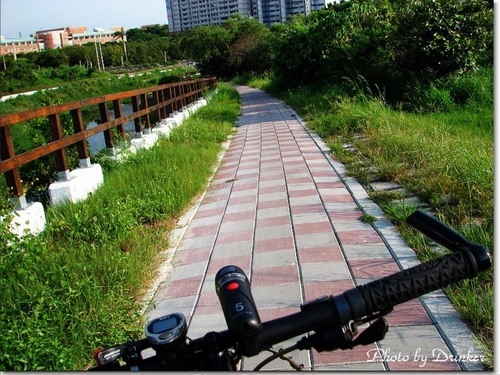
[(233, 289), (447, 237), (381, 295)]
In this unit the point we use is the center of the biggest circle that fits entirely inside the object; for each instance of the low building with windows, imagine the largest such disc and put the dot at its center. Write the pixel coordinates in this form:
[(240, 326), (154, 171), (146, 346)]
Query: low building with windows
[(57, 38), (18, 46), (98, 34)]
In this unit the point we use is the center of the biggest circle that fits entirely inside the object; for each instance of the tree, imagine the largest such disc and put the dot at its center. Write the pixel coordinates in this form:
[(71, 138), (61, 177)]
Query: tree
[(23, 71), (52, 58), (238, 46), (112, 54), (293, 60), (209, 47), (435, 38), (250, 47), (121, 35)]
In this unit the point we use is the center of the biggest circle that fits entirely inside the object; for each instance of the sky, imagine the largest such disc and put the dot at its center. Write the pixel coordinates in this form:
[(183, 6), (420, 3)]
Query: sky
[(28, 16)]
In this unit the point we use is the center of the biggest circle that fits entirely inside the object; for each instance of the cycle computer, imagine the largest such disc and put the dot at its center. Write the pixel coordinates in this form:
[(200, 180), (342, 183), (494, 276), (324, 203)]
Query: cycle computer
[(166, 329)]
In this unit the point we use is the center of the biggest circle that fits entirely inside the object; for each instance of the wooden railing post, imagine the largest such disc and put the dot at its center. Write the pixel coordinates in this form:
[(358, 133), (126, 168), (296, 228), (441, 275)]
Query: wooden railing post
[(193, 95), (12, 177), (171, 94), (163, 109), (199, 87), (79, 127), (144, 105), (157, 100), (108, 138), (117, 109), (137, 120), (183, 99), (61, 158)]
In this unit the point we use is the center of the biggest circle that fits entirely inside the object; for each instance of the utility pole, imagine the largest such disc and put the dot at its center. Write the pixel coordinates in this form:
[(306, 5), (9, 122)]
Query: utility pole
[(100, 49), (97, 54)]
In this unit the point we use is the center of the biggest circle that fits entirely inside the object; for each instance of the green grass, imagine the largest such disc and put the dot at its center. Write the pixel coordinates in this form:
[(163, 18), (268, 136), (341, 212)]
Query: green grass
[(439, 148), (79, 284)]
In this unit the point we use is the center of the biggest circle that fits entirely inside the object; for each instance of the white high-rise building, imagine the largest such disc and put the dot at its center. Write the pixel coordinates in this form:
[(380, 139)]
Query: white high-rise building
[(187, 14)]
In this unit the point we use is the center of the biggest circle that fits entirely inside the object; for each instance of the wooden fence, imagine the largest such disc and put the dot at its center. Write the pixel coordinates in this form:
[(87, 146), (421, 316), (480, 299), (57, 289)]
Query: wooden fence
[(160, 100)]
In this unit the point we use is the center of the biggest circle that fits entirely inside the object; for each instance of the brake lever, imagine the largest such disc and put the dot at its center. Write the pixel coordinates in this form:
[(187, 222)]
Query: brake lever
[(375, 332), (342, 336)]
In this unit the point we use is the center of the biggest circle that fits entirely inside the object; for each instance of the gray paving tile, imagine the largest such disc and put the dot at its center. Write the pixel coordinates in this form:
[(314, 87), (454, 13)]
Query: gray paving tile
[(243, 193), (272, 212), (274, 258), (366, 251), (231, 249), (204, 323), (326, 271), (188, 270), (270, 183), (347, 225), (236, 226), (277, 296), (197, 242), (312, 217), (339, 207), (301, 201), (200, 222), (212, 205), (315, 240), (272, 196), (301, 186), (240, 207), (273, 232)]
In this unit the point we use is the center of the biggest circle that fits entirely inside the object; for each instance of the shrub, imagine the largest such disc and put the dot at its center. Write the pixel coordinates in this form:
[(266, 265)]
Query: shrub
[(434, 38)]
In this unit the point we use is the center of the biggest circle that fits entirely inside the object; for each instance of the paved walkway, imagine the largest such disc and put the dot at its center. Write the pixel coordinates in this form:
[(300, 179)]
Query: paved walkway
[(283, 210)]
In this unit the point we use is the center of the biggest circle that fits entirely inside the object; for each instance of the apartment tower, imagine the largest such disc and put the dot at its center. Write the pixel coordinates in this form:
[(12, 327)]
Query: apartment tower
[(187, 14)]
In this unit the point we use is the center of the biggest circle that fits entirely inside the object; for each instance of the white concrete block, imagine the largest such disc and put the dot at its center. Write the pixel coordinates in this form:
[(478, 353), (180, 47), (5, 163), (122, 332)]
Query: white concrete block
[(162, 131), (146, 141), (28, 220), (177, 117), (173, 121), (121, 153), (83, 181)]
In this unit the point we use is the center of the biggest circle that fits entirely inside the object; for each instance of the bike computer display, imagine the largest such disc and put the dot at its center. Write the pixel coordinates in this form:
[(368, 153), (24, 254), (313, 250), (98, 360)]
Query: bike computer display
[(166, 329)]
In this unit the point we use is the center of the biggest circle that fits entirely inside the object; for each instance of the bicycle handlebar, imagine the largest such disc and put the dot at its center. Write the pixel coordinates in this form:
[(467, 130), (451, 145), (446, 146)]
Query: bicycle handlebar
[(365, 301), (447, 237)]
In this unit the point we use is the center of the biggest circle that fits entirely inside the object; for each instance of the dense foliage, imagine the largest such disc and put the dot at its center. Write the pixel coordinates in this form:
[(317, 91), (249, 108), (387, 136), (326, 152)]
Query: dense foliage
[(239, 46), (391, 44)]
